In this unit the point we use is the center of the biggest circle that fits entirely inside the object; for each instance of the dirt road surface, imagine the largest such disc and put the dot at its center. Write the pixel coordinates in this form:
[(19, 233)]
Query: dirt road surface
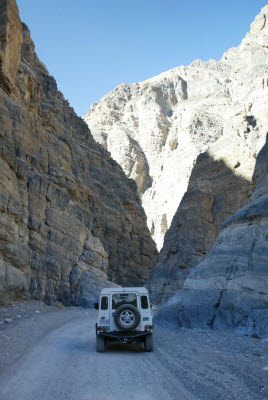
[(64, 365)]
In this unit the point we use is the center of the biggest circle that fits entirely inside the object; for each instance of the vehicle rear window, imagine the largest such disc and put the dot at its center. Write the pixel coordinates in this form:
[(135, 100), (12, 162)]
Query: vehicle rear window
[(144, 302), (104, 303), (123, 298)]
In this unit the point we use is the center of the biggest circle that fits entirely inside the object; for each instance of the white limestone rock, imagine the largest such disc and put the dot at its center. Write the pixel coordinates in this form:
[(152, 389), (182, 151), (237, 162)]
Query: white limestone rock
[(156, 128)]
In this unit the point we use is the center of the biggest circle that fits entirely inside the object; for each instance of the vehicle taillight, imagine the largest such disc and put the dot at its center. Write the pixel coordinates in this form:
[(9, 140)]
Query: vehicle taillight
[(102, 328)]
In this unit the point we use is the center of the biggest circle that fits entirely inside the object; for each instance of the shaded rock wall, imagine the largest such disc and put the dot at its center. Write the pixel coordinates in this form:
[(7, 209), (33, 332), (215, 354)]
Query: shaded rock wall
[(229, 289), (70, 219), (215, 191)]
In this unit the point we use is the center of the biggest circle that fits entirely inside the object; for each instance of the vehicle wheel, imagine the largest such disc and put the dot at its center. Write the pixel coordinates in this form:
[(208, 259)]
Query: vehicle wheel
[(127, 317), (100, 344), (149, 342)]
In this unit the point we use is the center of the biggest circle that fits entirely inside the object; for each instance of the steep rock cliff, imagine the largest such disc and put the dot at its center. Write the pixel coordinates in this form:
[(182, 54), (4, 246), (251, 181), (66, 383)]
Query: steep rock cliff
[(70, 219), (215, 191), (229, 289), (190, 137), (156, 128)]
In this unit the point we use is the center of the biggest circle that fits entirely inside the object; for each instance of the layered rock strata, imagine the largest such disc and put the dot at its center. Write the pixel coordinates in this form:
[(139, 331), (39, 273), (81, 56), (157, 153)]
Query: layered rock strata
[(157, 129), (70, 219), (229, 289), (215, 191)]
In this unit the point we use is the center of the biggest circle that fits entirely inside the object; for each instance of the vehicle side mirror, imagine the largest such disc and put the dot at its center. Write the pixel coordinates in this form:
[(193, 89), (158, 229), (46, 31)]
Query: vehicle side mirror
[(96, 306), (151, 304)]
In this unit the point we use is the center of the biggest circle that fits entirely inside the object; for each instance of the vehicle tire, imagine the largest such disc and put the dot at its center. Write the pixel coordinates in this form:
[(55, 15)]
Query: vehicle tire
[(100, 344), (149, 342), (127, 317)]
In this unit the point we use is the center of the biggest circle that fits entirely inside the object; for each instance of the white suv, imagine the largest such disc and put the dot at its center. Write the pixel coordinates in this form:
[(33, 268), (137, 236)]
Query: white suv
[(124, 317)]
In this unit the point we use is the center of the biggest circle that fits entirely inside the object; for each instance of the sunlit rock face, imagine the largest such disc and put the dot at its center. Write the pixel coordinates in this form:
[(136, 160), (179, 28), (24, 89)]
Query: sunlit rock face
[(156, 128), (71, 221)]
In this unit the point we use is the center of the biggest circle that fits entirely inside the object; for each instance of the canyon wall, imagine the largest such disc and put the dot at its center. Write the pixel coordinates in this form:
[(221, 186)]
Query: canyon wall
[(229, 289), (71, 222), (156, 128), (215, 191), (190, 138)]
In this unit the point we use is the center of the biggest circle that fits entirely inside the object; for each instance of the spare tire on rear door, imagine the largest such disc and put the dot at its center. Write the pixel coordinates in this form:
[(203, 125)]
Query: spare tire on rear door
[(127, 317)]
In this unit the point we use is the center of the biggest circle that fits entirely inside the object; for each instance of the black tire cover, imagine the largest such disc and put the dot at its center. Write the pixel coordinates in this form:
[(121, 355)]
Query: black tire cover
[(129, 326)]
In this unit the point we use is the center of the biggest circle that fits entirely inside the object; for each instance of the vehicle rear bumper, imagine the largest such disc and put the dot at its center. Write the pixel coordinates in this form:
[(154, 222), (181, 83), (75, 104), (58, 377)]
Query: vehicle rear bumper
[(124, 337)]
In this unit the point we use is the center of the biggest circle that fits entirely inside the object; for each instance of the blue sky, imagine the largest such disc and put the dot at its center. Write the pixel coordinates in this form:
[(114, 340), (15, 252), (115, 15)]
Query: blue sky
[(92, 46)]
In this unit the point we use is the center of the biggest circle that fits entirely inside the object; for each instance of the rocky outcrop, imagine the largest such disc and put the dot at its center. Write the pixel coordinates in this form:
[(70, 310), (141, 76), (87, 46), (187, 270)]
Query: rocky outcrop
[(157, 128), (11, 40), (229, 289), (195, 225), (70, 219), (220, 184)]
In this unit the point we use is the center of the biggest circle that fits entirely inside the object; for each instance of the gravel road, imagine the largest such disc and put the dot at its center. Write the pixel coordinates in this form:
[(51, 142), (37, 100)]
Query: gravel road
[(60, 362)]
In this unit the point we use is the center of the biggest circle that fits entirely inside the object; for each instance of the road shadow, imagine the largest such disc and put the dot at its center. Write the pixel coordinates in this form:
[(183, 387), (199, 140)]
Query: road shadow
[(124, 348)]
